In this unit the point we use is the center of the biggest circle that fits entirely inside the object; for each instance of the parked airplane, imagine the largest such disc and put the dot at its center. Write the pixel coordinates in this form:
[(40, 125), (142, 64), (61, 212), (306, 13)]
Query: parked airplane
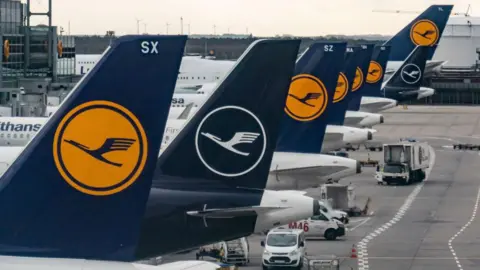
[(206, 204), (78, 203), (403, 85)]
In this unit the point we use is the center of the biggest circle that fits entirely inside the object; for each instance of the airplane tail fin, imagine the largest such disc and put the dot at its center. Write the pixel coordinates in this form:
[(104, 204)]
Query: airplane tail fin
[(230, 141), (80, 186), (410, 74), (360, 79), (347, 81), (311, 92), (424, 30), (376, 71)]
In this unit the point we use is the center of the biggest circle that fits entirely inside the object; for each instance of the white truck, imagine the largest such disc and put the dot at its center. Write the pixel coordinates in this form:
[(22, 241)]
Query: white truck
[(404, 162)]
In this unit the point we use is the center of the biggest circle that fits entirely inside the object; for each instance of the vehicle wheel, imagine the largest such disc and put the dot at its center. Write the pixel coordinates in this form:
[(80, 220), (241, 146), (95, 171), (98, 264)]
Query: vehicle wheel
[(330, 234), (372, 149), (264, 267), (380, 149)]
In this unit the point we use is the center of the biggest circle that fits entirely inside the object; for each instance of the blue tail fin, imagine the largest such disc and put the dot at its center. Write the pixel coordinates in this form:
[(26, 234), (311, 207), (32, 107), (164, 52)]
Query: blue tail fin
[(230, 141), (311, 92), (376, 71), (410, 74), (360, 79), (79, 188), (425, 30), (354, 57)]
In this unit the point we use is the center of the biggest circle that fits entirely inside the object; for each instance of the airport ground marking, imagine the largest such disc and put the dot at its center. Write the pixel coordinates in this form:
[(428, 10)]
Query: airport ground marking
[(360, 224), (472, 218), (362, 260)]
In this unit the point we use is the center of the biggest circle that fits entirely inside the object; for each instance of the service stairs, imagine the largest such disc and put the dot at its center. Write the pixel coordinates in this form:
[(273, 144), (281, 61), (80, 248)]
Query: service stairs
[(235, 253)]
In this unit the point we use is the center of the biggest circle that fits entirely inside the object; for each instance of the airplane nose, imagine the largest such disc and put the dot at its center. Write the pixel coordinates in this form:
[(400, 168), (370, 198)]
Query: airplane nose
[(370, 135), (316, 207), (381, 119), (359, 167)]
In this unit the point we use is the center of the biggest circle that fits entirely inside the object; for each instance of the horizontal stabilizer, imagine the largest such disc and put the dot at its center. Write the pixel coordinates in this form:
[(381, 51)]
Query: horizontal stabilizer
[(234, 212)]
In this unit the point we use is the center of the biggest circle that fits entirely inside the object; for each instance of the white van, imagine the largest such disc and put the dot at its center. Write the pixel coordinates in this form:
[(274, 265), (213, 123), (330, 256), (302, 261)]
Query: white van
[(284, 248), (321, 225)]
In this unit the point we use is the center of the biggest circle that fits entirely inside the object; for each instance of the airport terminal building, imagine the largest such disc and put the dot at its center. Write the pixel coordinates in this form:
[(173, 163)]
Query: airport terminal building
[(458, 82)]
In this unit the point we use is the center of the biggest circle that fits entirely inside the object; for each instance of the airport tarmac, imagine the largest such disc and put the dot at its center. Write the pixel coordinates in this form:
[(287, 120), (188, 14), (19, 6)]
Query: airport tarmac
[(424, 226)]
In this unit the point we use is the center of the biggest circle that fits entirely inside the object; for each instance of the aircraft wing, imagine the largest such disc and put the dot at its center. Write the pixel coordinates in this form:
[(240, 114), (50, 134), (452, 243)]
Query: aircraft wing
[(234, 212)]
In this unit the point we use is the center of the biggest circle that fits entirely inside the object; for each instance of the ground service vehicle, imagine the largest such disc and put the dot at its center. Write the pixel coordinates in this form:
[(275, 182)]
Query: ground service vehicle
[(284, 248), (404, 162), (321, 225)]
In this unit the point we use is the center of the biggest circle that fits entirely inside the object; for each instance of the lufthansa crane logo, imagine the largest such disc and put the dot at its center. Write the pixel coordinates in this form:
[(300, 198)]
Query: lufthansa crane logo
[(411, 74), (424, 33), (342, 88), (375, 72), (307, 98), (100, 148), (358, 80), (230, 150)]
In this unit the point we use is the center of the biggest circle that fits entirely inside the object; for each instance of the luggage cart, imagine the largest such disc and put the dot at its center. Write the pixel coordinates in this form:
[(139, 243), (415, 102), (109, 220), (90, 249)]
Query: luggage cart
[(323, 263)]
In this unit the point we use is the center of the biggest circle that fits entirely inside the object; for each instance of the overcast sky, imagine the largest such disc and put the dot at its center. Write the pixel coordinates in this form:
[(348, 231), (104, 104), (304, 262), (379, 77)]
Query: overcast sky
[(261, 17)]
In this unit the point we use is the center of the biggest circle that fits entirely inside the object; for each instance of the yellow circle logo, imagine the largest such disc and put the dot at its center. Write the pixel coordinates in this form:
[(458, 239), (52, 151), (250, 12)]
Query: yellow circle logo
[(342, 88), (375, 72), (424, 33), (307, 98), (100, 148), (358, 81)]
